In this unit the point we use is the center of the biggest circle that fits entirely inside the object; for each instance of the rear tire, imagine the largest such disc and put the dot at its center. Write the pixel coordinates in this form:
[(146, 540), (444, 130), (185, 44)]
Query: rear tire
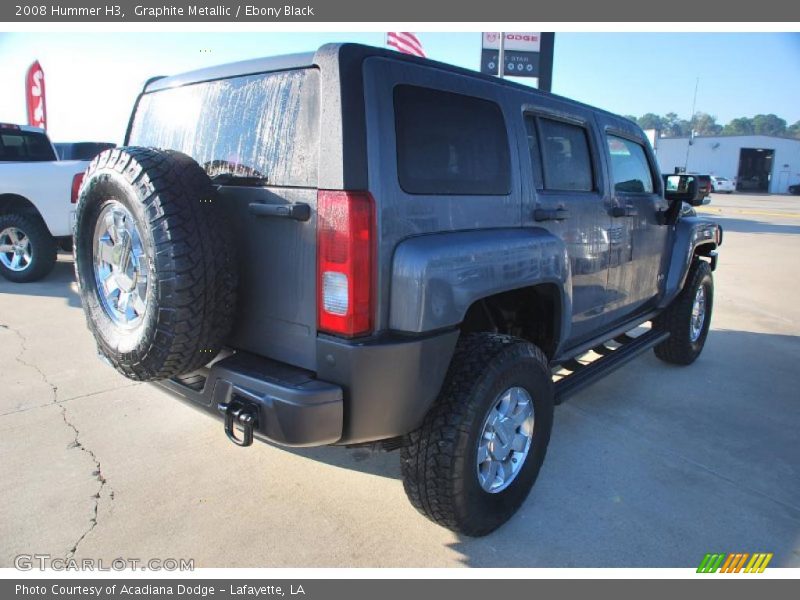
[(681, 319), (36, 249), (149, 227), (445, 475)]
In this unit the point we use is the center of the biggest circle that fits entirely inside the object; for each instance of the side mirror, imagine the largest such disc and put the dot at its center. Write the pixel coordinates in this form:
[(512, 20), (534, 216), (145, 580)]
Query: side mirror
[(682, 188)]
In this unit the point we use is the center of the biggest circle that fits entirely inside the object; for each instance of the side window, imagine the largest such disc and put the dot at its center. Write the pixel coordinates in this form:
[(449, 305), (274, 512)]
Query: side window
[(450, 143), (629, 167), (566, 161)]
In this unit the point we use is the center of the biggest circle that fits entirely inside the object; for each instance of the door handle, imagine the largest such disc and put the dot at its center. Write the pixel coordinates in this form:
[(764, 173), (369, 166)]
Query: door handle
[(298, 211), (550, 214), (624, 211)]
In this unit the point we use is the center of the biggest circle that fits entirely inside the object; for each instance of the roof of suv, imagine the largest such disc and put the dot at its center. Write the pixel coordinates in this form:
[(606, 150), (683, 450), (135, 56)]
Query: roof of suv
[(234, 69), (310, 59)]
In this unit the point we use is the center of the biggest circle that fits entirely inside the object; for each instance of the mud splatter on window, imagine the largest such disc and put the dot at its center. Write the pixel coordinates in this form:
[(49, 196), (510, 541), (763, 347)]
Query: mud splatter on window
[(264, 125)]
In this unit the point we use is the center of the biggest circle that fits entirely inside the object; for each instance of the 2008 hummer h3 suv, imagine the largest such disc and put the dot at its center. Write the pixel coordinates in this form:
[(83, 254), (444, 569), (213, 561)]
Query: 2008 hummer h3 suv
[(356, 246)]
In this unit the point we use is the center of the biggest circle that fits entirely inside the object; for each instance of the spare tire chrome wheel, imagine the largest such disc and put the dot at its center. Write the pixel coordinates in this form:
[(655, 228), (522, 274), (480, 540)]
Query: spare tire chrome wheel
[(155, 262), (121, 266)]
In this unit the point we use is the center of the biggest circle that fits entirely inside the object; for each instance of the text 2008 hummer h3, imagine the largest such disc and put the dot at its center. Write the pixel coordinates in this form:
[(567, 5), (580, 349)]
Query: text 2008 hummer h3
[(359, 247)]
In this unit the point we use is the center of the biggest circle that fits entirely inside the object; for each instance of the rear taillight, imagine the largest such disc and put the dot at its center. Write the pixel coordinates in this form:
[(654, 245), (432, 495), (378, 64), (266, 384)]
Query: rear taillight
[(76, 188), (345, 248)]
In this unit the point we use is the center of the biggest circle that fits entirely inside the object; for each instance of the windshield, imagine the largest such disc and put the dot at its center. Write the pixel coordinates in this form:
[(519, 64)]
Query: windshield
[(25, 146)]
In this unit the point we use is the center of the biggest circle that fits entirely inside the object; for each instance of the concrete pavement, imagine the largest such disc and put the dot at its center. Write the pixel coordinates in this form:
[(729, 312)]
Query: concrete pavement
[(653, 466)]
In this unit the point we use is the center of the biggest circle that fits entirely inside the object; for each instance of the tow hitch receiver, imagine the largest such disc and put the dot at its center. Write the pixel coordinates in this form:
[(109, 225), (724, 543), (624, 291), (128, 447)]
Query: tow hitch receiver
[(241, 416)]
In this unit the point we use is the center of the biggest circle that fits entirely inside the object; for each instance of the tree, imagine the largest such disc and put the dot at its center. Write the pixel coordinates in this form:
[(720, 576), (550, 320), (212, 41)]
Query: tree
[(740, 126), (651, 121), (705, 124), (675, 127), (794, 130), (769, 125)]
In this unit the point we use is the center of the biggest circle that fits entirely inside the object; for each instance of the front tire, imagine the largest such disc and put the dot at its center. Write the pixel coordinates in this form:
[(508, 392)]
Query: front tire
[(27, 250), (476, 456), (688, 318)]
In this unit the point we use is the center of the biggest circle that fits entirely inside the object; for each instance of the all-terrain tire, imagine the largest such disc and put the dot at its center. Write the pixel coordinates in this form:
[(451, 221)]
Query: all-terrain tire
[(439, 460), (680, 348), (43, 248), (185, 236)]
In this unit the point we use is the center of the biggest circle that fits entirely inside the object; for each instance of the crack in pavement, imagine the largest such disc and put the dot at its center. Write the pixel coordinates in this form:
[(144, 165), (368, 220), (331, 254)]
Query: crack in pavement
[(76, 443), (97, 473), (71, 398)]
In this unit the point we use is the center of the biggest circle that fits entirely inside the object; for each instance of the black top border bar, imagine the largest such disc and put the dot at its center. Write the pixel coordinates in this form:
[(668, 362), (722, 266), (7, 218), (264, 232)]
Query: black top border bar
[(441, 11)]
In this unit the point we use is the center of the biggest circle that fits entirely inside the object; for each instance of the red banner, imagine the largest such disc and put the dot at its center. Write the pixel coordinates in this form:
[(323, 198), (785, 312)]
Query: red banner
[(34, 96)]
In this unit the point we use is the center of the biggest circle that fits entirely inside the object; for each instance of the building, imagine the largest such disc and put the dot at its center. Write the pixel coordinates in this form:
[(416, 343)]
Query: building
[(758, 163)]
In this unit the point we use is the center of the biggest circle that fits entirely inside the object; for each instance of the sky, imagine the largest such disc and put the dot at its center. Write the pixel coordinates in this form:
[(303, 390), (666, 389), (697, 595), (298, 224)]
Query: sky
[(92, 79)]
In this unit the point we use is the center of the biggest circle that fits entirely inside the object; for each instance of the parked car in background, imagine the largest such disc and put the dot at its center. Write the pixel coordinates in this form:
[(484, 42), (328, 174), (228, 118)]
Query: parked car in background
[(37, 196), (81, 150), (722, 185), (704, 184)]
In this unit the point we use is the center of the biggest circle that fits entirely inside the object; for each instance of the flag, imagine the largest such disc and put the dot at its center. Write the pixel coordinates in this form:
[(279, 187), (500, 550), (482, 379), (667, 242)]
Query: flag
[(34, 96), (405, 42)]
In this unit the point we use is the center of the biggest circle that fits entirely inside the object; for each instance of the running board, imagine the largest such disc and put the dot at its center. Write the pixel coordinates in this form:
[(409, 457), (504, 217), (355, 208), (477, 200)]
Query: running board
[(610, 360)]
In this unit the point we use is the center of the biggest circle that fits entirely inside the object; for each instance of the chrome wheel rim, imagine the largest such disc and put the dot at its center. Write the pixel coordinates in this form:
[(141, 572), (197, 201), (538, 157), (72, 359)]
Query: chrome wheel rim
[(505, 439), (698, 314), (15, 249), (121, 266)]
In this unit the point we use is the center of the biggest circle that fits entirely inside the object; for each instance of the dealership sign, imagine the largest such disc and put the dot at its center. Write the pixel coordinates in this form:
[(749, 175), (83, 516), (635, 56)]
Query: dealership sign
[(35, 97), (520, 53), (522, 41)]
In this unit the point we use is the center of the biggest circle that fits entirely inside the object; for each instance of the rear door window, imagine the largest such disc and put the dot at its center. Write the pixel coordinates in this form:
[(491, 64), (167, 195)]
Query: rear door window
[(566, 161), (25, 146), (264, 125), (450, 144), (629, 166)]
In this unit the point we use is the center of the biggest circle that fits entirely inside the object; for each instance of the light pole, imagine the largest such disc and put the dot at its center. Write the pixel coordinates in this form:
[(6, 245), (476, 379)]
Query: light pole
[(501, 57)]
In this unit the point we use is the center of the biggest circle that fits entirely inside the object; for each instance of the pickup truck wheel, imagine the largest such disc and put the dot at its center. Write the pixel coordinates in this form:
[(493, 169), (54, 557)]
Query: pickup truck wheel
[(476, 456), (688, 318), (154, 261), (27, 250)]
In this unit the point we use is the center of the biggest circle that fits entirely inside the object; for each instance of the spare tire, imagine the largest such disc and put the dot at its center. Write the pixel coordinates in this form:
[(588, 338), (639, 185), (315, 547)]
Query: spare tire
[(154, 261)]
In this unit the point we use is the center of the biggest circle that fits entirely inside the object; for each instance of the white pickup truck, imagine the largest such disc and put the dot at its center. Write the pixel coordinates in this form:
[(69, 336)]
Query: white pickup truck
[(37, 202)]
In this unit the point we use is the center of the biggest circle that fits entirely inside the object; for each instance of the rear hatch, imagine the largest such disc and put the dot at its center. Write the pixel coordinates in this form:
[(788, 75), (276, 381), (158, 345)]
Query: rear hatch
[(261, 126)]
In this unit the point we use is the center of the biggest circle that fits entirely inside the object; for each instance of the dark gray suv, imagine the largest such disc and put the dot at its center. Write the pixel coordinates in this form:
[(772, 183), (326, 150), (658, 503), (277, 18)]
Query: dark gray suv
[(360, 247)]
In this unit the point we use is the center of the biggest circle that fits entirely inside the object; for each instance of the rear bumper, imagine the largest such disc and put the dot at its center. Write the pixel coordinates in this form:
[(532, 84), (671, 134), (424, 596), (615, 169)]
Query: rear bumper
[(361, 392), (293, 408)]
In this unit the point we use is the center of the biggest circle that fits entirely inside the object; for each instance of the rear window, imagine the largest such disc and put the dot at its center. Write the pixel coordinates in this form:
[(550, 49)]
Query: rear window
[(81, 150), (25, 146), (450, 144), (264, 125)]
